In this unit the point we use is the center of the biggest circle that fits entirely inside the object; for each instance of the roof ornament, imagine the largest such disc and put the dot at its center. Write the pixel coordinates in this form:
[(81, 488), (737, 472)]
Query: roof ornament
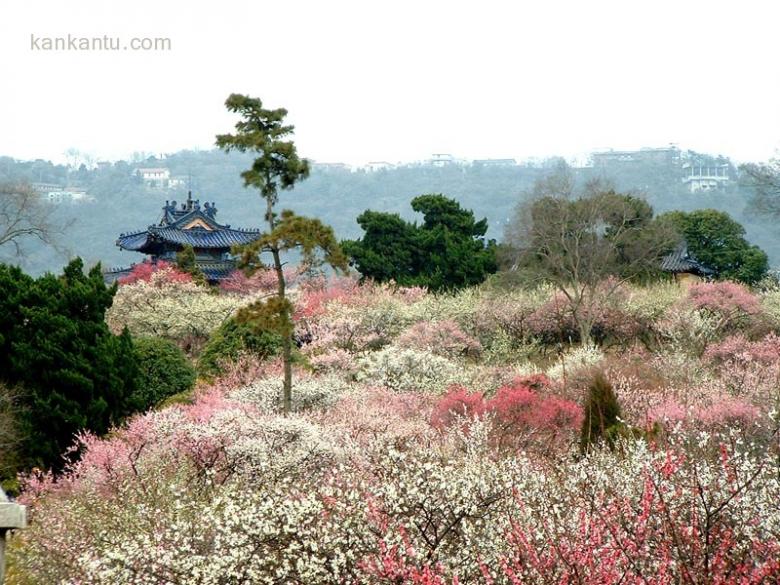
[(210, 209)]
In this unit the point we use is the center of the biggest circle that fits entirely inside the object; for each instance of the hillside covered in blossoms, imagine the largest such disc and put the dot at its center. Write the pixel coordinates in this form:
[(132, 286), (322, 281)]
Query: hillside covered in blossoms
[(593, 400), (433, 439)]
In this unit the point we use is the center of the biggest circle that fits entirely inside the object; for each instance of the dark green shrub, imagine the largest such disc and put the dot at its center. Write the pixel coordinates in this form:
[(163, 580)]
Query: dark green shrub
[(232, 340), (186, 262), (602, 424), (163, 370)]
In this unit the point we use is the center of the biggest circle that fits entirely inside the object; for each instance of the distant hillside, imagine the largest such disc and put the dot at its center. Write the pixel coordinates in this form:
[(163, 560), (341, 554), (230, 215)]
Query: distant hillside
[(123, 203)]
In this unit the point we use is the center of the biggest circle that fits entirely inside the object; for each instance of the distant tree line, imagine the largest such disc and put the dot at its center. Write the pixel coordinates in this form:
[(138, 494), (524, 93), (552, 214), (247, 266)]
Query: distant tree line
[(337, 197)]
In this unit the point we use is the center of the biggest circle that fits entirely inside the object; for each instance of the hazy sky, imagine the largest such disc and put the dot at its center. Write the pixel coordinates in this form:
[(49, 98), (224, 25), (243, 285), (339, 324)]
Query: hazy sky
[(392, 80)]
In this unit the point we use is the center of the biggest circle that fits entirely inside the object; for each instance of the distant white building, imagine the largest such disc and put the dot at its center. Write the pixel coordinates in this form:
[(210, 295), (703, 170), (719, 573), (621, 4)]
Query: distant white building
[(705, 178), (378, 166), (441, 160), (495, 162), (668, 155), (444, 160), (177, 181), (67, 195), (45, 188), (332, 166), (156, 178)]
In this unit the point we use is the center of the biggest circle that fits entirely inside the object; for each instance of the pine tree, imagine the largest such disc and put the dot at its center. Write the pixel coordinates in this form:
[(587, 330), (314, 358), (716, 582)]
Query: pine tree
[(448, 251), (277, 168), (185, 261)]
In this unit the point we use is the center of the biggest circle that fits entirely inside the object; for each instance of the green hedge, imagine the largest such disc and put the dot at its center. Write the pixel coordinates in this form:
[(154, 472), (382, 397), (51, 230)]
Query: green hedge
[(233, 339), (163, 370)]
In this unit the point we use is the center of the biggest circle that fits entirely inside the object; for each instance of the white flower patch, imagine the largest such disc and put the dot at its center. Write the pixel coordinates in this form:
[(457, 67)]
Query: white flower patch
[(407, 370), (579, 357), (307, 393)]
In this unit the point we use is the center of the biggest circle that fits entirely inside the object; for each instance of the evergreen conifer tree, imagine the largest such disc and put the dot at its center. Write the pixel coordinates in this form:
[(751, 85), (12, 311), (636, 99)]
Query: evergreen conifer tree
[(602, 423)]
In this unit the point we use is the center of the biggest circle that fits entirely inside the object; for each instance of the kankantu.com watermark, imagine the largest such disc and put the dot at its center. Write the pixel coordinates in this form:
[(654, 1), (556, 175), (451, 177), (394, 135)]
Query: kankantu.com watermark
[(105, 43)]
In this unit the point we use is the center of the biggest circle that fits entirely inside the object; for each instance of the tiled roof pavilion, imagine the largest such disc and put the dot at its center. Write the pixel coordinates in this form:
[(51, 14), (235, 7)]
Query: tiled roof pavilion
[(680, 261), (188, 224)]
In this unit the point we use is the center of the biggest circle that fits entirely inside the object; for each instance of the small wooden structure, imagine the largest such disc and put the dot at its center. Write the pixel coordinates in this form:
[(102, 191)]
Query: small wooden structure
[(12, 516), (685, 269)]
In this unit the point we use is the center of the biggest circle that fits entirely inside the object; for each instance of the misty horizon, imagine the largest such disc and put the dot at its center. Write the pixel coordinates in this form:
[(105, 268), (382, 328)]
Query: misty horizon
[(582, 159)]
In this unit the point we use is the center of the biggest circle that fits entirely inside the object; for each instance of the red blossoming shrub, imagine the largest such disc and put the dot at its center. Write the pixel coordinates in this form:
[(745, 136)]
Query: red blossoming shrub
[(316, 293), (143, 273), (457, 404), (520, 416)]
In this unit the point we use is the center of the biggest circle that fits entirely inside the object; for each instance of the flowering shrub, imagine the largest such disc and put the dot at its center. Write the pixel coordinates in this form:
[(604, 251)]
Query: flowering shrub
[(770, 304), (723, 298), (575, 359), (180, 311), (308, 393), (285, 500), (350, 334), (379, 419), (725, 410), (407, 369), (334, 361), (442, 338), (143, 272), (687, 330), (350, 317), (647, 304), (457, 405), (523, 416), (554, 321), (765, 351), (263, 281), (507, 313), (518, 415), (390, 471), (732, 304), (317, 293), (749, 370)]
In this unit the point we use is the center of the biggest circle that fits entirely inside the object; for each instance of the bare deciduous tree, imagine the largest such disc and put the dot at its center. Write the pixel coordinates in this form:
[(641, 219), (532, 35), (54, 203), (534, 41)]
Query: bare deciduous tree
[(764, 180), (587, 247), (23, 216)]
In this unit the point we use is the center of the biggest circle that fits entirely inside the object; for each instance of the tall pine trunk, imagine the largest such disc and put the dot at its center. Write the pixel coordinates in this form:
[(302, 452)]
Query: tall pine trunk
[(287, 334)]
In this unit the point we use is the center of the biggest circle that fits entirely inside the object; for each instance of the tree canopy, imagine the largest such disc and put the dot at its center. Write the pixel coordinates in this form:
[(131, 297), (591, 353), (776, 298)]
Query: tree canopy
[(55, 345), (447, 251), (586, 246), (718, 241)]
